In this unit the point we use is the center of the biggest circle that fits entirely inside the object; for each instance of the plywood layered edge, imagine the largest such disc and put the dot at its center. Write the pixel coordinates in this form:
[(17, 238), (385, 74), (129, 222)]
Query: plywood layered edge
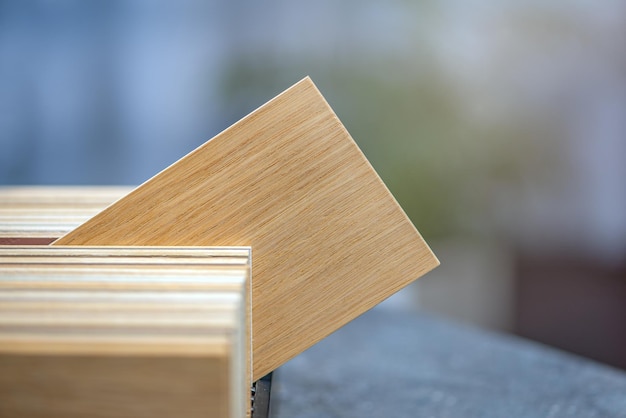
[(41, 214), (124, 331)]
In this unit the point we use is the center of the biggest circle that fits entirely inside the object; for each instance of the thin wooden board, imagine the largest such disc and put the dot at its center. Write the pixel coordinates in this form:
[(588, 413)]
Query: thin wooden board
[(141, 331), (329, 240)]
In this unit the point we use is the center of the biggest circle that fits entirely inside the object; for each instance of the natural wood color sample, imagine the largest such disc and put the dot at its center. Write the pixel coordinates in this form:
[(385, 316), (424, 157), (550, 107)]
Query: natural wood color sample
[(329, 240), (49, 386), (117, 332)]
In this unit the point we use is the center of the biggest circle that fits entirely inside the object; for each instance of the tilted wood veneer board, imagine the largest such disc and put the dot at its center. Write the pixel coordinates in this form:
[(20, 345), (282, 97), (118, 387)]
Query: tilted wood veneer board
[(328, 238), (124, 331)]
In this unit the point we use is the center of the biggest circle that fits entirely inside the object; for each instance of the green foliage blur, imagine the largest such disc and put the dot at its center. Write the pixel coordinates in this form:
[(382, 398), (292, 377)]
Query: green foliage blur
[(442, 166)]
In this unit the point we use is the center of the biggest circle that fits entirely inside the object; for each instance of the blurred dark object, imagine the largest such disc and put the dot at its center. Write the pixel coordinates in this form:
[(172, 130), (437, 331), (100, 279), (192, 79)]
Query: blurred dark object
[(573, 303), (261, 395)]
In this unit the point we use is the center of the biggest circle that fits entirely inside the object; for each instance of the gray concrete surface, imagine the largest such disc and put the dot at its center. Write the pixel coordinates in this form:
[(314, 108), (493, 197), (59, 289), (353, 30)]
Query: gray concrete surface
[(401, 364)]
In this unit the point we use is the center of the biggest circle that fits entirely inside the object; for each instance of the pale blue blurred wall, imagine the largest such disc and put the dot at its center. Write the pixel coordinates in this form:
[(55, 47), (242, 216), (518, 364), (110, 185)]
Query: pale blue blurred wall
[(484, 117), (105, 92)]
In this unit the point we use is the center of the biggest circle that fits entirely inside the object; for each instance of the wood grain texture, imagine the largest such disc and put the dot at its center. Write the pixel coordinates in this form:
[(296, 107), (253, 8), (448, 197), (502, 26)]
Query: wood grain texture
[(329, 240), (119, 332)]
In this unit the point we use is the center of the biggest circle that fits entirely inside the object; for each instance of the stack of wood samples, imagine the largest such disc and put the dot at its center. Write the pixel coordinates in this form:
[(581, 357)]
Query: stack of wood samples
[(329, 239), (287, 181), (120, 332), (41, 214)]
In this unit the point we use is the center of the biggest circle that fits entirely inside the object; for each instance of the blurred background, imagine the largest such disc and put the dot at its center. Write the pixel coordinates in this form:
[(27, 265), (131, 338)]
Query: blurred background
[(500, 127)]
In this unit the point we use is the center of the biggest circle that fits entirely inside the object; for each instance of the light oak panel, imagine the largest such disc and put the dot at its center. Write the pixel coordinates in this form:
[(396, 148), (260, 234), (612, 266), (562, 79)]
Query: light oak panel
[(329, 240)]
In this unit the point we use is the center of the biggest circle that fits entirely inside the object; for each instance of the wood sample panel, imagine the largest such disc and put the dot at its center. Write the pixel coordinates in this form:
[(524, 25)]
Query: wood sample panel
[(329, 240), (120, 332)]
